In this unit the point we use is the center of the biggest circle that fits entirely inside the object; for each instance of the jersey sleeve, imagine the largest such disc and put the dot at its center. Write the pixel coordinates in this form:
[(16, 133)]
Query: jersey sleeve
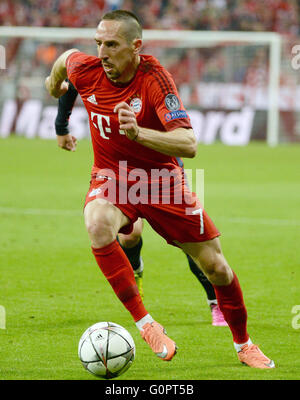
[(78, 65), (165, 99)]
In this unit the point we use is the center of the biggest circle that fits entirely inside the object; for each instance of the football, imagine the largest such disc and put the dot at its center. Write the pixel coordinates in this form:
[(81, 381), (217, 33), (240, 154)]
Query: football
[(106, 350)]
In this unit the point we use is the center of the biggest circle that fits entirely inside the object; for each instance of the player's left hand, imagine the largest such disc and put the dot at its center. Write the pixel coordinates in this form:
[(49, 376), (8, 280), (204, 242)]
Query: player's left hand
[(127, 120)]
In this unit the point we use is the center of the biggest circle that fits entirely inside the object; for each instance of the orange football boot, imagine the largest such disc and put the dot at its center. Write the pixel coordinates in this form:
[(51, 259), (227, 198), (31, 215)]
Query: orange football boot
[(253, 357), (155, 335)]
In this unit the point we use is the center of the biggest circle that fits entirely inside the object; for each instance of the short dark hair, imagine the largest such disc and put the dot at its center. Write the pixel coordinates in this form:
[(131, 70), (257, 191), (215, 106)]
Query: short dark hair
[(133, 28)]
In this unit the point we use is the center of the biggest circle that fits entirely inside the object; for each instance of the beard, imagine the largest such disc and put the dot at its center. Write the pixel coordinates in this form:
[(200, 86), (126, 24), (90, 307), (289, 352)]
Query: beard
[(113, 75), (111, 72)]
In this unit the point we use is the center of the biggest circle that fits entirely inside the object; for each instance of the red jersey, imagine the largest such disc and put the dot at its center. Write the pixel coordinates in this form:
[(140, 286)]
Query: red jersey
[(151, 94)]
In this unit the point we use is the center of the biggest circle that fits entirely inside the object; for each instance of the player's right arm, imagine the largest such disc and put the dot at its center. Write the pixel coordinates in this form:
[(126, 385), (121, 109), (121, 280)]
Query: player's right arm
[(65, 104), (55, 82)]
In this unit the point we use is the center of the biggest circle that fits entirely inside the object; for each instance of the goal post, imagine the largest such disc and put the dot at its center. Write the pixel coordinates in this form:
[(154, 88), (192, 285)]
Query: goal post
[(180, 41)]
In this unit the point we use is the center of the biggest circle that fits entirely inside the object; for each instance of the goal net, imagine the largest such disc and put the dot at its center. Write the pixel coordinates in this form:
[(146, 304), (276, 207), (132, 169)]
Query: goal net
[(236, 86)]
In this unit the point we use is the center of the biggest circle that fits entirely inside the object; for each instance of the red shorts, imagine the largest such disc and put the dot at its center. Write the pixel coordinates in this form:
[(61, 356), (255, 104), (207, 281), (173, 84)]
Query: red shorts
[(183, 222)]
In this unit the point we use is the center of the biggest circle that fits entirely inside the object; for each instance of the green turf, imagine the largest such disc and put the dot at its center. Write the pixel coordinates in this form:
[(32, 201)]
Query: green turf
[(52, 289)]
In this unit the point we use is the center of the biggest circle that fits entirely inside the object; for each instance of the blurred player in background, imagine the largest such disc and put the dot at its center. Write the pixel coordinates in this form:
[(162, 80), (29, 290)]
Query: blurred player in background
[(132, 243), (138, 123)]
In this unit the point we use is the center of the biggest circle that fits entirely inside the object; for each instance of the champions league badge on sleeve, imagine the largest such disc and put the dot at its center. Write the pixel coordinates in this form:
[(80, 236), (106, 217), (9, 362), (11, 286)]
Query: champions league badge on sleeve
[(172, 102)]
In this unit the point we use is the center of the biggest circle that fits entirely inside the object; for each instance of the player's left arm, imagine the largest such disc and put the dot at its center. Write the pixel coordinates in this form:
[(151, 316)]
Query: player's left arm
[(180, 142)]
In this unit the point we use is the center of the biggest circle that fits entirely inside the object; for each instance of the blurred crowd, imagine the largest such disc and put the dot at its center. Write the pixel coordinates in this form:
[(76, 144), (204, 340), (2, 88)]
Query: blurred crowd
[(246, 15), (244, 64), (189, 66), (29, 61)]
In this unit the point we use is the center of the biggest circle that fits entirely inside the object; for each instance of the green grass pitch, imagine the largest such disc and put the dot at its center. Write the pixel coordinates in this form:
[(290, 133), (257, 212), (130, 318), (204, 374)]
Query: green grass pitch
[(52, 289)]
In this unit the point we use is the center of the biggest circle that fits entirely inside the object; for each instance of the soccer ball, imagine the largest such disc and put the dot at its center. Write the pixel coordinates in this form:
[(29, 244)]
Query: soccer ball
[(106, 350)]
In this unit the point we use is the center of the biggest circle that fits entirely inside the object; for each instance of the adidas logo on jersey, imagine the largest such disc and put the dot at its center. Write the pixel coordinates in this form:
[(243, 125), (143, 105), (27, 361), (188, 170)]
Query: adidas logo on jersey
[(92, 99)]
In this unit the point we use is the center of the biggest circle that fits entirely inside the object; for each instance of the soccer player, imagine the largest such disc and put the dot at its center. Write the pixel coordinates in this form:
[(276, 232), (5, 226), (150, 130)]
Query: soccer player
[(138, 127), (133, 242)]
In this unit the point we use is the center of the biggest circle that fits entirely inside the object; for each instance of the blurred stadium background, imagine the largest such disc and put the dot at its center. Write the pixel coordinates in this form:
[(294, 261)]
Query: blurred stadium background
[(224, 84)]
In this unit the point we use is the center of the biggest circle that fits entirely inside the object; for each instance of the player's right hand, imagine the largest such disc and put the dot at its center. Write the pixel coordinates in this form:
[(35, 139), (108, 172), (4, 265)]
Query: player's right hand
[(67, 142)]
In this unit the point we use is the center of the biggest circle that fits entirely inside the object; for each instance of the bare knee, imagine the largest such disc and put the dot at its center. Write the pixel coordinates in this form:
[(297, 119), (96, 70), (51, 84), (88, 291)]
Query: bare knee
[(100, 231), (130, 240), (218, 272), (208, 255), (102, 224), (134, 237)]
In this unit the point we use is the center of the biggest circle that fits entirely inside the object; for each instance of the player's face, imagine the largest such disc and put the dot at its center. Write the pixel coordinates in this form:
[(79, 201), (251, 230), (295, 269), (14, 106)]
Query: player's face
[(117, 55)]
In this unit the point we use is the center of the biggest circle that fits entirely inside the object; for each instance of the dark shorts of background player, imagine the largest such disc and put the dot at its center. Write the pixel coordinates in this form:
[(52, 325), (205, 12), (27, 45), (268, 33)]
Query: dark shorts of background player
[(174, 222)]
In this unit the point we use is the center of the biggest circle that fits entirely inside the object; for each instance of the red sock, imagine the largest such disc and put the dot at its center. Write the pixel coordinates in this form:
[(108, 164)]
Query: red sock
[(117, 269), (231, 303)]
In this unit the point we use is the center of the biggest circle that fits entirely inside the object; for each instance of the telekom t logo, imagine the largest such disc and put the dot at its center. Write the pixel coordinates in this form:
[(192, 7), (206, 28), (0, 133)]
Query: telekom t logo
[(98, 123)]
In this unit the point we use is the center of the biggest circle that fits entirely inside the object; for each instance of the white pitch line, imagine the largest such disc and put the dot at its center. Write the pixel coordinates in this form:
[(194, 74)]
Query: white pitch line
[(260, 221), (78, 213), (40, 211)]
